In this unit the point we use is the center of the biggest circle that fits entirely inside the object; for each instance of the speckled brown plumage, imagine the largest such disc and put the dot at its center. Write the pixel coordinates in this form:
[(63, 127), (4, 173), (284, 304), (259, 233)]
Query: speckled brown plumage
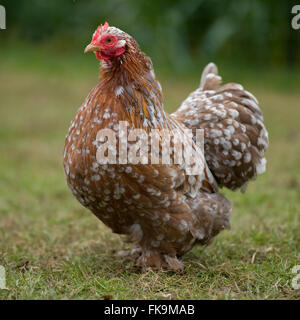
[(159, 207), (235, 135)]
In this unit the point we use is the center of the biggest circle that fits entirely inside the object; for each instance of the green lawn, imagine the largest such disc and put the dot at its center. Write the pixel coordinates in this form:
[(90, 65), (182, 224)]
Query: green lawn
[(53, 248)]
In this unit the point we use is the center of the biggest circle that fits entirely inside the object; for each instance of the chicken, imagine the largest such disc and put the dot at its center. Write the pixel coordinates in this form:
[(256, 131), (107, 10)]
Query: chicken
[(164, 208)]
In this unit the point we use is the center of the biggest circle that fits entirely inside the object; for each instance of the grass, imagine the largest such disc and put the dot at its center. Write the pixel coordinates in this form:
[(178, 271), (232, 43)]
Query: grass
[(53, 248)]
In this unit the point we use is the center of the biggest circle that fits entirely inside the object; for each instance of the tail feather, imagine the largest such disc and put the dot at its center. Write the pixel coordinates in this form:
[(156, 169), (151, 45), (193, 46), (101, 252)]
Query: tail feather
[(210, 79), (235, 137)]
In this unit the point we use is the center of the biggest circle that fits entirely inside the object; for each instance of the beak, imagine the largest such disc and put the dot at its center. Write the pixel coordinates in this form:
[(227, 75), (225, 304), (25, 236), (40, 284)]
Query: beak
[(91, 47)]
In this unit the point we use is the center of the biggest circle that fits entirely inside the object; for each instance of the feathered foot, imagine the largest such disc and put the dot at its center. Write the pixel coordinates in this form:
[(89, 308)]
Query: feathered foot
[(155, 260)]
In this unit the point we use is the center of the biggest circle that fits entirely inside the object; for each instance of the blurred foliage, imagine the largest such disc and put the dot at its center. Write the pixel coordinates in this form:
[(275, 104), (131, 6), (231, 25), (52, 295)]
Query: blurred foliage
[(176, 33)]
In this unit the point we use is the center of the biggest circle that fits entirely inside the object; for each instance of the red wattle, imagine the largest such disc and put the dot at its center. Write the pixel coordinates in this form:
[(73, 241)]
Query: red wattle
[(109, 55), (98, 55), (119, 51)]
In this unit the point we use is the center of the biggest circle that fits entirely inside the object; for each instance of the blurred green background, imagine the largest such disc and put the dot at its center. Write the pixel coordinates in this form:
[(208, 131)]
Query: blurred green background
[(50, 245), (177, 34)]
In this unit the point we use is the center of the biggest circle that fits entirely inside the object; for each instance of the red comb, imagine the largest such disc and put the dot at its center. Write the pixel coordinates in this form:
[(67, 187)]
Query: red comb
[(100, 30), (103, 28)]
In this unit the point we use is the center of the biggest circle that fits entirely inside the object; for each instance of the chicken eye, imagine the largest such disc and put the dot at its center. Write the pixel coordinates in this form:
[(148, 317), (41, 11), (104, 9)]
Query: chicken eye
[(109, 40)]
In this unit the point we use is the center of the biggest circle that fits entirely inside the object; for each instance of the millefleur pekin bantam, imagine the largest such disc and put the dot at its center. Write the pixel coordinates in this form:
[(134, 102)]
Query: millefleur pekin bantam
[(163, 210)]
